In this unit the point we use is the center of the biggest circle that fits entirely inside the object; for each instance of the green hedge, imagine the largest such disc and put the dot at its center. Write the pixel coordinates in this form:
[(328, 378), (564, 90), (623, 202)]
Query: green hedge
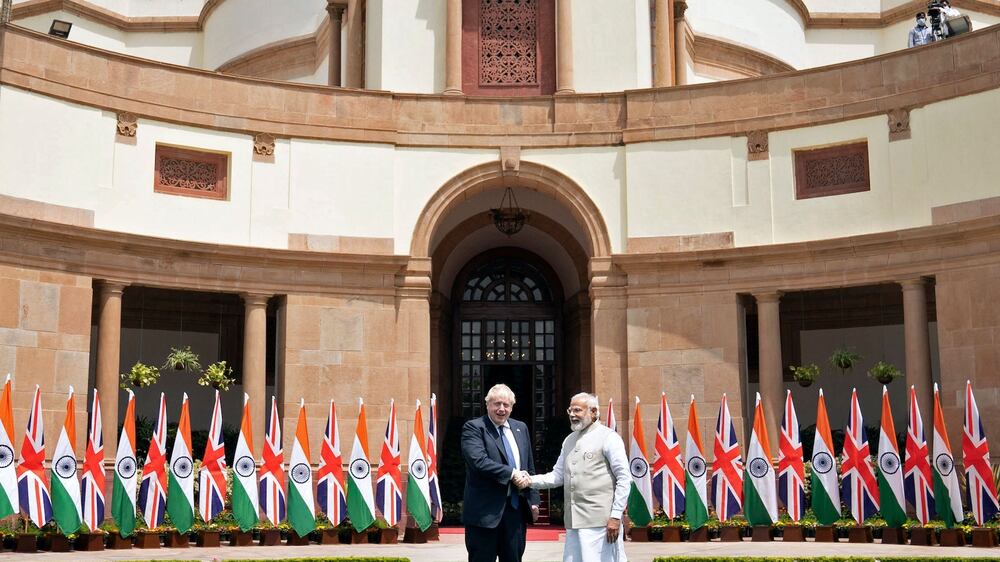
[(822, 559)]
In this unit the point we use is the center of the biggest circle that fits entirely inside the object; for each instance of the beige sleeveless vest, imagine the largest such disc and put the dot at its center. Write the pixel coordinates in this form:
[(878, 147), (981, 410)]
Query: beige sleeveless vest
[(588, 483)]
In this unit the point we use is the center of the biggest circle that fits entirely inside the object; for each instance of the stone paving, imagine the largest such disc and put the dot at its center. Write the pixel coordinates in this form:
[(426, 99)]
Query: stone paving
[(451, 548)]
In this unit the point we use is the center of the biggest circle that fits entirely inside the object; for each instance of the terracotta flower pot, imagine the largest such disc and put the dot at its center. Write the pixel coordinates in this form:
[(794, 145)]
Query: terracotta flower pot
[(730, 534), (861, 534), (90, 542), (26, 543), (359, 538), (118, 542), (413, 535), (984, 537), (671, 534), (295, 540), (826, 533), (147, 539), (922, 536), (893, 535), (329, 536), (762, 533), (209, 539), (269, 537), (241, 538), (639, 534), (699, 535), (57, 542), (434, 532), (952, 537), (793, 533), (388, 536), (174, 539)]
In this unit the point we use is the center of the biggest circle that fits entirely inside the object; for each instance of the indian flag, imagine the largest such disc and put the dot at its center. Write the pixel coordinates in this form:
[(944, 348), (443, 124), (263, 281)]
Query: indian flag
[(180, 478), (695, 494), (301, 507), (825, 499), (65, 486), (640, 497), (360, 500), (760, 500), (244, 501), (418, 493), (892, 500), (947, 495), (9, 504), (123, 488)]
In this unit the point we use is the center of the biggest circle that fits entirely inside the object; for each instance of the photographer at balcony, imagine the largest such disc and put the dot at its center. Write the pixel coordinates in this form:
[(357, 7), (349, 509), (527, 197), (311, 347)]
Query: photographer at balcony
[(920, 34)]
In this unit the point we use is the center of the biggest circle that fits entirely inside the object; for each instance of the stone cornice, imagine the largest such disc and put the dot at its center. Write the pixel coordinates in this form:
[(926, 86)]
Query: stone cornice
[(146, 260), (153, 90), (94, 12)]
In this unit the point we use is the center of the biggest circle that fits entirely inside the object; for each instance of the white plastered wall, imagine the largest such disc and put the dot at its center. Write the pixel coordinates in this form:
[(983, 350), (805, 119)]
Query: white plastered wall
[(611, 45), (235, 28), (406, 45), (769, 26)]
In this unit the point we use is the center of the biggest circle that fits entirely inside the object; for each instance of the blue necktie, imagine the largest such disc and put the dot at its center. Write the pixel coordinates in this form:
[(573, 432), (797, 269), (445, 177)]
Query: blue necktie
[(510, 461)]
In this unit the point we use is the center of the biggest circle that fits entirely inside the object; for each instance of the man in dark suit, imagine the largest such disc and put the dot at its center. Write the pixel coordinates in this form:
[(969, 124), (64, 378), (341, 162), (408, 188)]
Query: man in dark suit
[(496, 512)]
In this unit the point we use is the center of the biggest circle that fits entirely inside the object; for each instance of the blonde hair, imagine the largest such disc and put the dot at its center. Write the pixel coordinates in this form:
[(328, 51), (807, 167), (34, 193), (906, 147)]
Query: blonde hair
[(500, 391)]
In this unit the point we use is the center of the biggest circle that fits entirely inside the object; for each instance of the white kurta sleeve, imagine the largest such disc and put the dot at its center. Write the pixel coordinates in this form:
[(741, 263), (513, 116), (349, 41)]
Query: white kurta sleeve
[(614, 451), (553, 479)]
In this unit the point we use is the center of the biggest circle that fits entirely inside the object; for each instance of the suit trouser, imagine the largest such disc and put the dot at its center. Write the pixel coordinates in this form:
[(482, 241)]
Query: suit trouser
[(505, 541)]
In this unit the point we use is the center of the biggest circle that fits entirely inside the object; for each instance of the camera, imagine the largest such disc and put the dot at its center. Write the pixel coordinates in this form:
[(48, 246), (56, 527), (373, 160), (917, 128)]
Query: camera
[(934, 13)]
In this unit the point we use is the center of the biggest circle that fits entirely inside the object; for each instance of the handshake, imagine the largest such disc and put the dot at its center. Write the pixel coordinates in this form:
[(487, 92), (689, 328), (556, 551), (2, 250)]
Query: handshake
[(521, 479)]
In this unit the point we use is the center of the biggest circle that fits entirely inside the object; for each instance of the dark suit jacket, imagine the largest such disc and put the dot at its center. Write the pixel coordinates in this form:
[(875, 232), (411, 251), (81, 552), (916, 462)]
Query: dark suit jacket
[(487, 473)]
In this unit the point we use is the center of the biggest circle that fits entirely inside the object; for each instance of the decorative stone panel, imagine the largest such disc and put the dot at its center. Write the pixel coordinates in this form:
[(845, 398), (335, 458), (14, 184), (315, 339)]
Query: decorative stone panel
[(263, 144), (757, 145), (128, 124), (508, 42), (185, 171), (832, 170), (899, 124)]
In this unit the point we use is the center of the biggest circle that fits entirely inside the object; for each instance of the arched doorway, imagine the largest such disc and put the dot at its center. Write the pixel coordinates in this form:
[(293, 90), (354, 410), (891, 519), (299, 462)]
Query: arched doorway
[(508, 329)]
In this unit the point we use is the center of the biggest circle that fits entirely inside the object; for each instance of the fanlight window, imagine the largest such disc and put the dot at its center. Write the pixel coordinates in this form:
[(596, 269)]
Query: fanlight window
[(506, 281)]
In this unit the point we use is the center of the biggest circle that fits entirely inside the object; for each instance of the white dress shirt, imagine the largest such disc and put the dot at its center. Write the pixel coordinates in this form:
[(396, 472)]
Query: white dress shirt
[(508, 434)]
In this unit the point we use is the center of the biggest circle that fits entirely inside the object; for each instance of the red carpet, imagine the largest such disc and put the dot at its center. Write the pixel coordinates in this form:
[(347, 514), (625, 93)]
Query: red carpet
[(546, 533)]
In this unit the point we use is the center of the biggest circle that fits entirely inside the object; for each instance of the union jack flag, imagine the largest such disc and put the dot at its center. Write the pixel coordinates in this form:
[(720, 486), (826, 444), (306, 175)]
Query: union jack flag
[(153, 487), (388, 485), (212, 476), (668, 467), (330, 476), (976, 459), (432, 463), (272, 471), (791, 470), (916, 467), (92, 483), (727, 467), (32, 487), (858, 487)]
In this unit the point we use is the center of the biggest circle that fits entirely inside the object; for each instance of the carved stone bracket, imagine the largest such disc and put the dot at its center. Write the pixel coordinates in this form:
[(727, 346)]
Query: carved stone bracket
[(510, 159), (899, 124), (263, 144), (128, 124), (757, 145), (680, 6)]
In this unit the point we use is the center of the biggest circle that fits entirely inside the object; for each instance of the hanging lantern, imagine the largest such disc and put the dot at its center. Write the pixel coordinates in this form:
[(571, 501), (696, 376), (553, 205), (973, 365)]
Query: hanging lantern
[(508, 217)]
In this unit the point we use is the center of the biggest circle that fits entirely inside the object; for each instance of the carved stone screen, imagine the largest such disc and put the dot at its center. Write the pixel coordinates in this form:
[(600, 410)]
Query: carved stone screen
[(508, 47), (508, 42), (832, 170), (184, 171)]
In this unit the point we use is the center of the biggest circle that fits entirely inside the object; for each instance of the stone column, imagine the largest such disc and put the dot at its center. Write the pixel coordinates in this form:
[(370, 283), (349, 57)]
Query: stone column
[(772, 385), (354, 74), (680, 43), (664, 42), (917, 342), (254, 357), (564, 47), (609, 339), (109, 339), (336, 12), (453, 49)]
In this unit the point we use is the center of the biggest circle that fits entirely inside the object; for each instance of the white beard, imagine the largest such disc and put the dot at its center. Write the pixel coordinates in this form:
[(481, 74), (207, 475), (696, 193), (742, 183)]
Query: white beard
[(581, 424)]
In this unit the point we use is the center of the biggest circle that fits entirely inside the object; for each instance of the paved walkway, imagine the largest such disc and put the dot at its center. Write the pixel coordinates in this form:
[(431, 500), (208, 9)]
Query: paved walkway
[(451, 548)]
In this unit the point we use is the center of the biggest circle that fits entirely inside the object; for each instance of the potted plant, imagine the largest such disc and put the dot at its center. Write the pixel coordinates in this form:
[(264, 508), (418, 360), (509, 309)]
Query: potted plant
[(115, 539), (844, 359), (383, 533), (27, 538), (805, 375), (90, 541), (269, 534), (182, 360), (884, 372), (55, 540), (217, 376), (208, 535), (328, 534), (731, 530), (139, 376)]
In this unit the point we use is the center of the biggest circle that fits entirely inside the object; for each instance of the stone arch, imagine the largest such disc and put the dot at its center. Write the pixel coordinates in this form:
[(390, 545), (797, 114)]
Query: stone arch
[(489, 176)]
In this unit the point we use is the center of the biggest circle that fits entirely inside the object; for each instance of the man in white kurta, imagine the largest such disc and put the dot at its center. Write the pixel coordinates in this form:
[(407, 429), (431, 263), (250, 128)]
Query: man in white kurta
[(593, 471)]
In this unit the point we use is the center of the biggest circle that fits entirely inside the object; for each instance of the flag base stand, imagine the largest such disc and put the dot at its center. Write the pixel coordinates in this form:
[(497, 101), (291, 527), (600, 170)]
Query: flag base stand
[(893, 535), (388, 536), (826, 533), (26, 543), (175, 539), (860, 534), (730, 534), (90, 542), (295, 540), (359, 538), (329, 536), (699, 535), (922, 536), (118, 542), (671, 534), (762, 533), (269, 537), (793, 533), (413, 535), (56, 542), (984, 537), (241, 538), (639, 534), (147, 539), (208, 539), (952, 537), (434, 532)]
